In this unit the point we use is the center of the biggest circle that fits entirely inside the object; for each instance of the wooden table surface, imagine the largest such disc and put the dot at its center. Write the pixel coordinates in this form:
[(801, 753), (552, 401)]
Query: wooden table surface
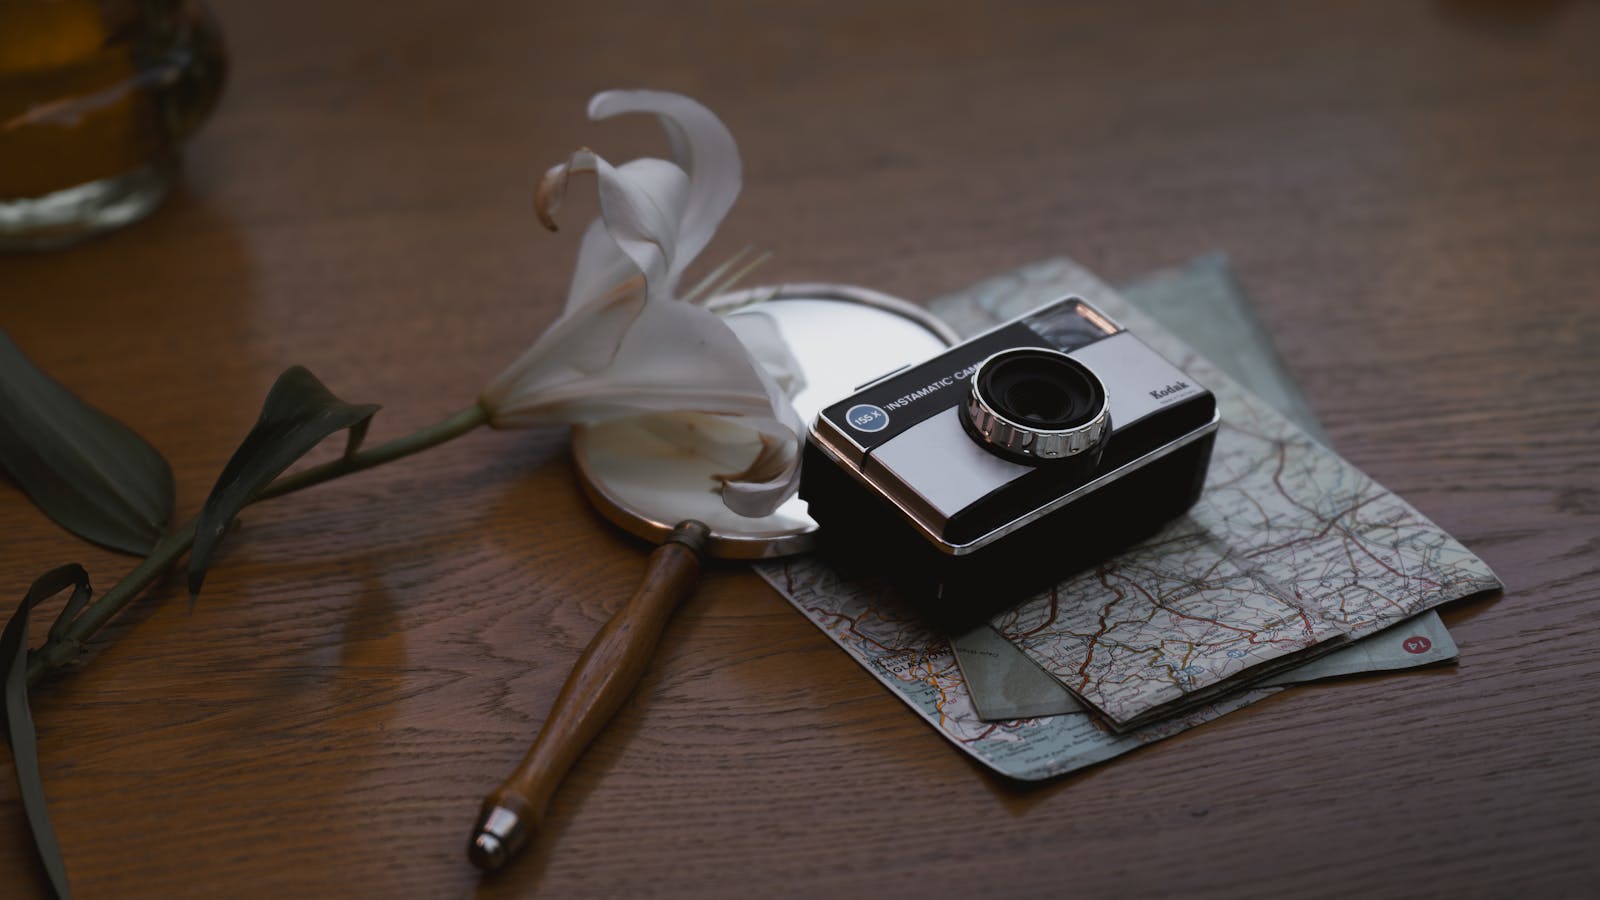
[(1410, 191)]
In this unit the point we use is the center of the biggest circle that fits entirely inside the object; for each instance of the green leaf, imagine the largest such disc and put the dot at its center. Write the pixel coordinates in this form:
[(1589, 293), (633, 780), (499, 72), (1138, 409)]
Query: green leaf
[(19, 718), (84, 469), (298, 413)]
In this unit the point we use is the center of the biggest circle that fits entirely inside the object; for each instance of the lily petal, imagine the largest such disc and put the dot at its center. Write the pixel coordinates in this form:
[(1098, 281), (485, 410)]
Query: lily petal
[(578, 345), (636, 238), (602, 268), (759, 333), (602, 263), (774, 475), (640, 203), (763, 469), (624, 347), (701, 146), (667, 357)]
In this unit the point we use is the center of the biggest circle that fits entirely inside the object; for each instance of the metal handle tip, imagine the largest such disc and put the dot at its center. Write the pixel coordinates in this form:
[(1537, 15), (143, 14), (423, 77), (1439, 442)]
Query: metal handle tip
[(500, 833), (487, 853)]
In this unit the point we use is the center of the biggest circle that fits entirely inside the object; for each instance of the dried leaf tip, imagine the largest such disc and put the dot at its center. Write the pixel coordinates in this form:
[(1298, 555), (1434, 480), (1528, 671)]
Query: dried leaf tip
[(552, 187), (547, 198)]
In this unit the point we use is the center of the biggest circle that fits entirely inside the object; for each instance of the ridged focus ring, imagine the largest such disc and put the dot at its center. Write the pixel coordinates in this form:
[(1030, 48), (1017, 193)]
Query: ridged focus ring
[(1018, 418)]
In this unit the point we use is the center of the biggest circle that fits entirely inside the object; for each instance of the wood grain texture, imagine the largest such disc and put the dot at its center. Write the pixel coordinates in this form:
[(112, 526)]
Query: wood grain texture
[(1410, 191)]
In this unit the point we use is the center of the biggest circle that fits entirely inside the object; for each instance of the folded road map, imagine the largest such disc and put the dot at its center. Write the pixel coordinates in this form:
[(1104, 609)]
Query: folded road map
[(1290, 551)]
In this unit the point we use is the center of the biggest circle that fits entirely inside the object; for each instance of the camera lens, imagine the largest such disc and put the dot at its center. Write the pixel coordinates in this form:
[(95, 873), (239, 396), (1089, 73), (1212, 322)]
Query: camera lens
[(1034, 404), (1039, 391)]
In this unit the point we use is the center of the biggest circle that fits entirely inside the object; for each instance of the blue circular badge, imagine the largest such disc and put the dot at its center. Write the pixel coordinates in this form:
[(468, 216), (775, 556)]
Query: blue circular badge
[(866, 417)]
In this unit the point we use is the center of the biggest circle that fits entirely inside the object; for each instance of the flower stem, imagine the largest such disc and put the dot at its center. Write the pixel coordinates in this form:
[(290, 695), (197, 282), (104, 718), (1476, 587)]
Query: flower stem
[(175, 545), (432, 436)]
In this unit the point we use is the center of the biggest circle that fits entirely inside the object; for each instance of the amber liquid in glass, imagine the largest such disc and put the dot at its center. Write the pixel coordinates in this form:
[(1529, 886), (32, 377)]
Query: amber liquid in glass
[(96, 90)]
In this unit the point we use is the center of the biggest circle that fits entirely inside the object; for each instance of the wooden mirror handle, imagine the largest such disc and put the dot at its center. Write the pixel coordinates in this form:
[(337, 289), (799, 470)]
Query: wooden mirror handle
[(601, 680)]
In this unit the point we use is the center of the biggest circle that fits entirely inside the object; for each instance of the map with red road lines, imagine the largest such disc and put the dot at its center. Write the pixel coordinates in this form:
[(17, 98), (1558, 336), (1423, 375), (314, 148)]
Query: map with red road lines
[(1290, 551)]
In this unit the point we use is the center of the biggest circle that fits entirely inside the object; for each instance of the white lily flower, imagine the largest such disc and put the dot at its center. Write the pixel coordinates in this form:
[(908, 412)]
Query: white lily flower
[(625, 346)]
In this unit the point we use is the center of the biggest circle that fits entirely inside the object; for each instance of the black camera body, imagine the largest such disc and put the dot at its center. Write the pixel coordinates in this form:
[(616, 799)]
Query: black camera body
[(1009, 461)]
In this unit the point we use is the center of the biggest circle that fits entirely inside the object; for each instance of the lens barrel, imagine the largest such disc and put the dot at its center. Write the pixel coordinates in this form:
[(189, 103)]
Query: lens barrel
[(1032, 405)]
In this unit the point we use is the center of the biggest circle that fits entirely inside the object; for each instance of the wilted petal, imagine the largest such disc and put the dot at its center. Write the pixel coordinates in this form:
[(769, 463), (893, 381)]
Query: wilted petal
[(701, 146), (757, 457), (774, 474), (552, 189), (760, 452)]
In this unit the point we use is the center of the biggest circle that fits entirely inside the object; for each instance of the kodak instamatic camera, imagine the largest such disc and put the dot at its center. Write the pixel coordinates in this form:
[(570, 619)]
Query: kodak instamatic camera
[(1009, 461)]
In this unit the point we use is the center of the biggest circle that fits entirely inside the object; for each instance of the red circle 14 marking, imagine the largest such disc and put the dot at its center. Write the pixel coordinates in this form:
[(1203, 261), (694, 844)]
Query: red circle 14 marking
[(1417, 644)]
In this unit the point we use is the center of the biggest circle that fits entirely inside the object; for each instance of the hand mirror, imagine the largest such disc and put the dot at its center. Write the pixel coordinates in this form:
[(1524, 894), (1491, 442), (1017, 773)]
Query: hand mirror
[(842, 337)]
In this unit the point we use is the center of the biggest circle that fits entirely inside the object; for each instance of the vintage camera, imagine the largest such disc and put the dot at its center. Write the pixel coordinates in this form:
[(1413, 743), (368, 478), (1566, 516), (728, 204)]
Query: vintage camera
[(1009, 461)]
